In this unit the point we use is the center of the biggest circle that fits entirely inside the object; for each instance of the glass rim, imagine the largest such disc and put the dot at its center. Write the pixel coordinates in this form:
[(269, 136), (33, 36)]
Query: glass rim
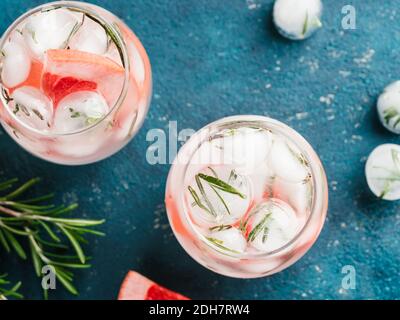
[(81, 7), (320, 185)]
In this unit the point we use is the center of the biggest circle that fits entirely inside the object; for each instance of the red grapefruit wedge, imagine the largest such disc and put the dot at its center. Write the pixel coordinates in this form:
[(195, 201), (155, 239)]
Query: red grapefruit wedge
[(68, 71), (138, 287)]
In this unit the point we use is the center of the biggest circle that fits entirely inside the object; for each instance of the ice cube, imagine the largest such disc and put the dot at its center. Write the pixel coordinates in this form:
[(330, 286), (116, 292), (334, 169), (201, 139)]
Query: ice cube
[(214, 205), (297, 19), (230, 239), (32, 107), (287, 162), (389, 107), (50, 30), (383, 172), (271, 225), (297, 194), (16, 64), (79, 110), (246, 148), (91, 37)]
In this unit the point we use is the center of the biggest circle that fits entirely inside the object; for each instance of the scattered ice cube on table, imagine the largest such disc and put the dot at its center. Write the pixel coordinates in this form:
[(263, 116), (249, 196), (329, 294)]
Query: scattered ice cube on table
[(287, 162), (389, 107), (218, 195), (271, 225), (16, 64), (383, 172), (231, 239), (297, 19), (79, 110), (91, 37), (32, 107), (50, 30)]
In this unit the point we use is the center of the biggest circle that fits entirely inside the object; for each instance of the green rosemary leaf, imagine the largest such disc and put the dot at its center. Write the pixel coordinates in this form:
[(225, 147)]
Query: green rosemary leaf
[(220, 228), (49, 231), (36, 260), (74, 243), (204, 195), (222, 199), (4, 242), (258, 228), (305, 26), (67, 284), (396, 159), (220, 244), (213, 172), (390, 114), (7, 184), (221, 185), (21, 189), (15, 244)]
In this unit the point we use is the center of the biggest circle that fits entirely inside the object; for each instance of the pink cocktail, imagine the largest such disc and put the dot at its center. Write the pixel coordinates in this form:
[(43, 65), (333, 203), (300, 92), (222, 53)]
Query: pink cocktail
[(75, 82), (247, 196)]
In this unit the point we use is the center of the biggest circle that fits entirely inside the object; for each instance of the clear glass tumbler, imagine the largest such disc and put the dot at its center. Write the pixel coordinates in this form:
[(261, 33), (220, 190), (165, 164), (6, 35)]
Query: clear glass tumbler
[(76, 82), (246, 196)]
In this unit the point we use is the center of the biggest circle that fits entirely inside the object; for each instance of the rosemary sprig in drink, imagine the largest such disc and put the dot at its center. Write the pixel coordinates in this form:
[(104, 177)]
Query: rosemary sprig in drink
[(220, 244), (44, 228), (261, 226), (216, 185)]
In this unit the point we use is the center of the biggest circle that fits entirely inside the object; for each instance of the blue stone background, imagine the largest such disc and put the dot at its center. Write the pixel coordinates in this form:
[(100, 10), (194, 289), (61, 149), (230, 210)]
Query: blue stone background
[(211, 59)]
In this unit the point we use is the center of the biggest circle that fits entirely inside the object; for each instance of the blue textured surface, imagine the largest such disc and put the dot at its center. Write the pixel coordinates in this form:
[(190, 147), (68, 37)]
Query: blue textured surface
[(214, 58)]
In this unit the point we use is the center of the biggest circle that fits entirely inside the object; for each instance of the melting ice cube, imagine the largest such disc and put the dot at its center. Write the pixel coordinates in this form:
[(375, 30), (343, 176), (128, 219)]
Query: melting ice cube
[(16, 64), (230, 239), (271, 225), (218, 195), (91, 37), (50, 30), (246, 148), (79, 110), (383, 171), (297, 194), (287, 162), (32, 107)]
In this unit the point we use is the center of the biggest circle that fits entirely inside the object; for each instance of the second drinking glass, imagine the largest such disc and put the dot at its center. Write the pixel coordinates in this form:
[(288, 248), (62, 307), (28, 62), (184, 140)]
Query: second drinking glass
[(75, 82)]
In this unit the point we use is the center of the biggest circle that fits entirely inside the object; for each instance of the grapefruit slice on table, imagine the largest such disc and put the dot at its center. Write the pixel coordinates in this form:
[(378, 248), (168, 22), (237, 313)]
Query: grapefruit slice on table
[(138, 287), (68, 71)]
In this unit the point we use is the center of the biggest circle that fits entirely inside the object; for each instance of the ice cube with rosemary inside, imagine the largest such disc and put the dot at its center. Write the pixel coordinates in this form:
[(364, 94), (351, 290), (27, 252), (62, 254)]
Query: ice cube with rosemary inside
[(50, 29), (297, 19), (228, 239), (32, 107), (79, 110), (218, 195), (389, 107), (270, 225), (383, 171), (90, 37)]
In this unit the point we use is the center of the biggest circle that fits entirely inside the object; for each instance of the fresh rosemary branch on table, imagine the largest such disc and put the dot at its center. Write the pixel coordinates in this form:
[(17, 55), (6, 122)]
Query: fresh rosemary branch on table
[(12, 292), (53, 239)]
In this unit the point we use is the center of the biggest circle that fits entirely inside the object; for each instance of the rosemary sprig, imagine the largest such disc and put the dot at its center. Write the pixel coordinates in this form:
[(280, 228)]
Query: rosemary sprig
[(220, 244), (221, 185), (12, 292), (262, 225), (215, 184), (222, 227), (44, 228)]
